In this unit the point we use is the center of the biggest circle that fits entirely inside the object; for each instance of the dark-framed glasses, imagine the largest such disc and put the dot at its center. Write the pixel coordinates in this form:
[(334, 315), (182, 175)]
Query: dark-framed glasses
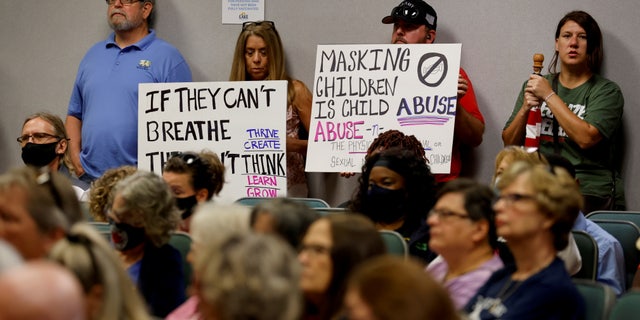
[(447, 214), (38, 137), (267, 23), (124, 2)]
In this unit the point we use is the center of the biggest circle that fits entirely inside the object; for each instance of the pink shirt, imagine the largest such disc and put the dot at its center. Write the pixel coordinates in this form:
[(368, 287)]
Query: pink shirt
[(186, 311), (464, 287)]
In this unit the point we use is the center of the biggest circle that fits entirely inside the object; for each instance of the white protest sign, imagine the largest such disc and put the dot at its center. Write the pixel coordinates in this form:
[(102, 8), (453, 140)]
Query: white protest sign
[(239, 11), (361, 91), (243, 122)]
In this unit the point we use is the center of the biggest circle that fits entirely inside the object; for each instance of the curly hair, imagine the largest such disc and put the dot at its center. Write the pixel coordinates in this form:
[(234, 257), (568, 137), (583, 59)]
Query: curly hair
[(556, 193), (100, 193), (419, 183), (395, 138), (205, 170), (149, 204)]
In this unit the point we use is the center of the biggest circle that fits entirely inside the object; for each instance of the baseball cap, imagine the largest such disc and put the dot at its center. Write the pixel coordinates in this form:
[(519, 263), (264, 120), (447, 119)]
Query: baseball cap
[(413, 11)]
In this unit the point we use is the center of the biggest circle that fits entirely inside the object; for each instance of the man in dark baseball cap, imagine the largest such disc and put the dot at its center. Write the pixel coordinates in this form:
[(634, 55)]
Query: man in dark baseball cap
[(415, 21), (413, 11)]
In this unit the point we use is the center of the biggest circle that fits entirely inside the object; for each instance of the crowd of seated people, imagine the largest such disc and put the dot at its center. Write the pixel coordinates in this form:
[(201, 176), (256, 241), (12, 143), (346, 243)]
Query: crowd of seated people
[(502, 250), (136, 274), (452, 229)]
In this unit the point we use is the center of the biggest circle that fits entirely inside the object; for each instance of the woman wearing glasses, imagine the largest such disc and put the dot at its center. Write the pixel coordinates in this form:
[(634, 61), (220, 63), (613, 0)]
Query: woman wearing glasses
[(44, 142), (193, 178), (534, 213), (259, 56), (505, 158), (463, 233)]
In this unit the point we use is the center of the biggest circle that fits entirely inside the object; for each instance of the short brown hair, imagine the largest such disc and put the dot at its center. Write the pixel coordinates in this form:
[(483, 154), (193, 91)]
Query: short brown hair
[(395, 288)]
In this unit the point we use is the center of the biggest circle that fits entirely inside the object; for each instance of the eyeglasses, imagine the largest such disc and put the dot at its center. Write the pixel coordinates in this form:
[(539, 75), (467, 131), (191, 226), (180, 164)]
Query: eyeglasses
[(314, 249), (269, 24), (124, 2), (511, 198), (38, 137), (446, 214)]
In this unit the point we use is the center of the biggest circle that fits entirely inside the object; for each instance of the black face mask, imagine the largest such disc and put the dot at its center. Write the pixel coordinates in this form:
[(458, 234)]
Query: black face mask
[(384, 205), (39, 155), (186, 205), (125, 236)]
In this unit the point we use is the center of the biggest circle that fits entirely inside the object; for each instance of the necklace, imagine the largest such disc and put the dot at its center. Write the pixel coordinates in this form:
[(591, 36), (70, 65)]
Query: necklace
[(508, 289)]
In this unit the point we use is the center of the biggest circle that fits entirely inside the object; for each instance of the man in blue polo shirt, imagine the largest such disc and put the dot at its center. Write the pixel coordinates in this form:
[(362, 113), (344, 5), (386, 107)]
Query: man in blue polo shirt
[(102, 119)]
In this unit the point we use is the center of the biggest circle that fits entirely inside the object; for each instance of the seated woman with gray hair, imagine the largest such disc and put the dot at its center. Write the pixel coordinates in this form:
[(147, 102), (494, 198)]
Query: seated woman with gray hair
[(143, 214), (250, 276), (212, 223)]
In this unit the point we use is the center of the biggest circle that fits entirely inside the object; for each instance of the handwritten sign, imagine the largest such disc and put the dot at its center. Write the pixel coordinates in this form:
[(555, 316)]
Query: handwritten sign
[(361, 91), (243, 122)]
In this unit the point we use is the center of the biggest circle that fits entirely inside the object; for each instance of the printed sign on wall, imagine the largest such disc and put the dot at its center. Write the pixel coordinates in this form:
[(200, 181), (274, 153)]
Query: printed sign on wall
[(362, 90), (240, 11), (243, 122)]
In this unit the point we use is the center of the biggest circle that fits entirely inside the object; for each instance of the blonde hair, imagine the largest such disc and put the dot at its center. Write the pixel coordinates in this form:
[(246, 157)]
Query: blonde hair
[(88, 255), (556, 194), (516, 153), (275, 53)]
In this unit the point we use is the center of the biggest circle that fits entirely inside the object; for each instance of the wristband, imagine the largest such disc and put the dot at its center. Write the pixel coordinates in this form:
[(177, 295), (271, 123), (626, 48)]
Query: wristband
[(549, 96)]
